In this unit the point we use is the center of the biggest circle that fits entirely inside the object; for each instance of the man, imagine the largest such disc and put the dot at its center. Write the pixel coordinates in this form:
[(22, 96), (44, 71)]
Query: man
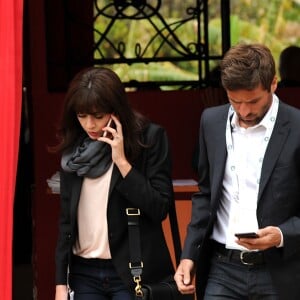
[(249, 180)]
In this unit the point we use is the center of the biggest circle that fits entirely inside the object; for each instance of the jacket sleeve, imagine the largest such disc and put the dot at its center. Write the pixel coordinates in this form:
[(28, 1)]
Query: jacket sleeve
[(64, 235), (201, 207)]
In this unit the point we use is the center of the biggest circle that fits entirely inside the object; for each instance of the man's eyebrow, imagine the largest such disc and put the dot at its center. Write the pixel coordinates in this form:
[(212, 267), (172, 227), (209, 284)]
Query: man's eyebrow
[(248, 101)]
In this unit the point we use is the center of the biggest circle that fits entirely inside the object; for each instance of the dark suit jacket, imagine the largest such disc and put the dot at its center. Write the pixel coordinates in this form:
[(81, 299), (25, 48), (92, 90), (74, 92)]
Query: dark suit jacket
[(278, 199), (147, 186)]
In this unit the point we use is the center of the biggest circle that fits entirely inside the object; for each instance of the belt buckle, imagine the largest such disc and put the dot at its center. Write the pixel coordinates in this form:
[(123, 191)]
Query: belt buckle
[(242, 258)]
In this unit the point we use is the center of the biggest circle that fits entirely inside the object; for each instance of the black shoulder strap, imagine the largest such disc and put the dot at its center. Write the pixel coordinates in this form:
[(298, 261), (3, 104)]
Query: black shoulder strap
[(136, 262), (133, 215)]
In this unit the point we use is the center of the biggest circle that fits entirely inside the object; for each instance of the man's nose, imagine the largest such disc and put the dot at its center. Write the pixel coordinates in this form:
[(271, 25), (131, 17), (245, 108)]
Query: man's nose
[(244, 109)]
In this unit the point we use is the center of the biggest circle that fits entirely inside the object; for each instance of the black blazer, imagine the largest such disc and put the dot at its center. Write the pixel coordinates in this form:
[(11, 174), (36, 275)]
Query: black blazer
[(147, 186), (278, 199)]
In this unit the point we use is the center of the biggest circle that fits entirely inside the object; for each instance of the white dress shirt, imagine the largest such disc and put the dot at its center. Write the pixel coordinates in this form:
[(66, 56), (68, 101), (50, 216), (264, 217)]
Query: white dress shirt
[(246, 148)]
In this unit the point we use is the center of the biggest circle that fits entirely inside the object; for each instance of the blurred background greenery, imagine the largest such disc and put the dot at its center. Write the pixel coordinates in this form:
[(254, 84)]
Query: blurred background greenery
[(275, 23)]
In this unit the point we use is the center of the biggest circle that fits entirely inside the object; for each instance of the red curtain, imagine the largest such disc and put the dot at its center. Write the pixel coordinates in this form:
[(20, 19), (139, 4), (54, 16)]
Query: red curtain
[(11, 18)]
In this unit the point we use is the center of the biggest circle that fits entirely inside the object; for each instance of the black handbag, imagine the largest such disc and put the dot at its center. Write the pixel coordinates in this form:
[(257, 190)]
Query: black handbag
[(166, 289)]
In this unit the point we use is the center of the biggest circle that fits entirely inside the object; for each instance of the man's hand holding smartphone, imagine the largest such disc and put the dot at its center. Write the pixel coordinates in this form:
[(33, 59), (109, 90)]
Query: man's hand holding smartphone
[(247, 239)]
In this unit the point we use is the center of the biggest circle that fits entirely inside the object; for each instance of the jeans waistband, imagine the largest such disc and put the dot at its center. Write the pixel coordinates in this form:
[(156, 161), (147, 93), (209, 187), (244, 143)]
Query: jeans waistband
[(98, 262)]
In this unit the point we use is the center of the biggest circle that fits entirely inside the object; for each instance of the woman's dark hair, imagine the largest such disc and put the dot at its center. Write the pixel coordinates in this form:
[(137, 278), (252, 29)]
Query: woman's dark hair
[(247, 66), (99, 89)]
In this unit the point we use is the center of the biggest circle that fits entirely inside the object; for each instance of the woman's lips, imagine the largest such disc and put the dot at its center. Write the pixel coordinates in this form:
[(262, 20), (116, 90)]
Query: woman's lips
[(93, 134)]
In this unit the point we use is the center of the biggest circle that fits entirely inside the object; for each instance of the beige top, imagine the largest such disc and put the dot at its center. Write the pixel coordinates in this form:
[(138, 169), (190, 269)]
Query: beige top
[(92, 239)]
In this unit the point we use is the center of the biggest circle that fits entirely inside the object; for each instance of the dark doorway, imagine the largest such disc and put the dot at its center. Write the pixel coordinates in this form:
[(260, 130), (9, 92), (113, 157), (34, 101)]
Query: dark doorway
[(22, 234)]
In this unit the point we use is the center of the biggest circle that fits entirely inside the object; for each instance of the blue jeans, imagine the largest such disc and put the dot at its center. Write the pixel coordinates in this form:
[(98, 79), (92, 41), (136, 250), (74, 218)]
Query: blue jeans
[(96, 279), (233, 280)]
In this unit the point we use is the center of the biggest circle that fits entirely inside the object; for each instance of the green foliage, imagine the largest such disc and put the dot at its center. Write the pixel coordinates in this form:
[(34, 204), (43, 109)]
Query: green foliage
[(274, 23)]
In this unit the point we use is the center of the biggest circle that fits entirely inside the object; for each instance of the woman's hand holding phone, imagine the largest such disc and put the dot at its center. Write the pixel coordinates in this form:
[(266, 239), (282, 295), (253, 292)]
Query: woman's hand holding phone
[(105, 133), (114, 137)]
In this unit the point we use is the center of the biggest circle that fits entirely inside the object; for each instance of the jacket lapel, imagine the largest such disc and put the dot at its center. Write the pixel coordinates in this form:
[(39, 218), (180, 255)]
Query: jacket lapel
[(278, 138), (76, 189), (114, 178)]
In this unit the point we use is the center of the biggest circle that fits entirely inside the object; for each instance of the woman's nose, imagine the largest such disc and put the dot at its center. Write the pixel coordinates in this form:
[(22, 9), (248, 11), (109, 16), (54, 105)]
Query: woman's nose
[(90, 122)]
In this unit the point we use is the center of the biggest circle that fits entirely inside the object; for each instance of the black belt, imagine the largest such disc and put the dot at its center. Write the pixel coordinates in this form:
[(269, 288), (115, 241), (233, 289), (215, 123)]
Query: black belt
[(249, 258)]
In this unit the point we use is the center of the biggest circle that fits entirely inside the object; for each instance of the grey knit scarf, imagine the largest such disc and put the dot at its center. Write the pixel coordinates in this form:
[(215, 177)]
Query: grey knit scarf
[(91, 158)]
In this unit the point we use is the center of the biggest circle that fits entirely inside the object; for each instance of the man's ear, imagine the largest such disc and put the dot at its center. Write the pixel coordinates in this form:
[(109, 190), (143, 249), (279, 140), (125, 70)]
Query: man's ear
[(274, 84)]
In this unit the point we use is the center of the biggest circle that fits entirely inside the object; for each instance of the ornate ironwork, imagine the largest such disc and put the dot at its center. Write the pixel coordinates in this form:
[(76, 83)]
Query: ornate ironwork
[(142, 10), (165, 35), (179, 40)]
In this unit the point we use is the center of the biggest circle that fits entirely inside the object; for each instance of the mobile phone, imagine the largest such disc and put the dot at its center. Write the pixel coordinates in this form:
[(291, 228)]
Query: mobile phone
[(109, 124), (247, 235)]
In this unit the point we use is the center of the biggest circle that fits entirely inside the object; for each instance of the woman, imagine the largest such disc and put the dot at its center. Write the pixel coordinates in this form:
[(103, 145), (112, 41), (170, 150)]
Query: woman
[(107, 168)]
